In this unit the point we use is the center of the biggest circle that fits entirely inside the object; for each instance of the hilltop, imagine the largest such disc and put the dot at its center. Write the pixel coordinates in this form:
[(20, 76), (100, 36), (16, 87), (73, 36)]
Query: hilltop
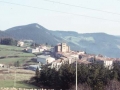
[(95, 43), (33, 32)]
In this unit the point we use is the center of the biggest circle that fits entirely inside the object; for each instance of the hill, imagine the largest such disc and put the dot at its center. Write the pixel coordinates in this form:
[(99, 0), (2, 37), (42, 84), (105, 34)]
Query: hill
[(33, 32), (4, 34), (95, 43)]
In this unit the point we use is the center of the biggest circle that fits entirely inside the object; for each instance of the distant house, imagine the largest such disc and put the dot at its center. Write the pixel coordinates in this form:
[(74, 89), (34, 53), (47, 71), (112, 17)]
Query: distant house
[(63, 60), (76, 56), (31, 50), (56, 64), (20, 43), (2, 65), (81, 52), (83, 62), (106, 63), (62, 47), (43, 47), (41, 50), (33, 67), (34, 50), (45, 59), (72, 59)]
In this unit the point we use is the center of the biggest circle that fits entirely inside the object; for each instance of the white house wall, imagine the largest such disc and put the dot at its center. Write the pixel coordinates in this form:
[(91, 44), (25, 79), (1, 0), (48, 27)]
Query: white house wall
[(42, 60), (50, 60)]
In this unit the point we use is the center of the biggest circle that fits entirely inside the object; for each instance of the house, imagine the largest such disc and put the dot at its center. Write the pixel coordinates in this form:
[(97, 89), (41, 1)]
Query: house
[(20, 43), (83, 62), (75, 56), (34, 50), (31, 50), (33, 67), (43, 47), (105, 62), (62, 47), (45, 59), (81, 52), (63, 60), (2, 65), (57, 64)]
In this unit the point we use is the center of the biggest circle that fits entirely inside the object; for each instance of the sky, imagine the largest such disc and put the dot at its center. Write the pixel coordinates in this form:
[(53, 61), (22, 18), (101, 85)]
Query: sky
[(56, 16)]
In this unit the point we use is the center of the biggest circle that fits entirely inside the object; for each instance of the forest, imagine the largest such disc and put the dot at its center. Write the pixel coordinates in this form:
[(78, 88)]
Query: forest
[(8, 41), (90, 77)]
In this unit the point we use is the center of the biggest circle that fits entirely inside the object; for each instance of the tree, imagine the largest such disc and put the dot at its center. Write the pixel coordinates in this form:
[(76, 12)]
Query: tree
[(93, 76), (37, 74), (17, 64)]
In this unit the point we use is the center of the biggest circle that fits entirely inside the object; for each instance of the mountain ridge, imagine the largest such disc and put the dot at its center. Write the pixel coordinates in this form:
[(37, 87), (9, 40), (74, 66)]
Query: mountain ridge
[(33, 32), (95, 43)]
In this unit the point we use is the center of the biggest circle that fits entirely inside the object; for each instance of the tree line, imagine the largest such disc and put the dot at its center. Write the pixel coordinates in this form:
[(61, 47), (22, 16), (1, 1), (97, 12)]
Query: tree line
[(8, 41), (90, 77)]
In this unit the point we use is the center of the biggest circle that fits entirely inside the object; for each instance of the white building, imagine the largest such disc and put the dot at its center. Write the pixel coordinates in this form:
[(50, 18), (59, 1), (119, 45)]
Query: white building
[(43, 47), (31, 50), (63, 60), (45, 59), (34, 50), (20, 43), (57, 64), (39, 49), (106, 63), (76, 56), (34, 67), (1, 65), (81, 52)]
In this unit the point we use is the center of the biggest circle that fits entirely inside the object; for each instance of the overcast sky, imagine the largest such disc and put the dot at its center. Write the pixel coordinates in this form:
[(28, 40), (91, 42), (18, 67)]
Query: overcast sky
[(14, 15)]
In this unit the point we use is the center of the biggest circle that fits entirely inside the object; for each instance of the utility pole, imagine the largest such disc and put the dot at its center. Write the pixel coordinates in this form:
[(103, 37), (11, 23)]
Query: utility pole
[(76, 73)]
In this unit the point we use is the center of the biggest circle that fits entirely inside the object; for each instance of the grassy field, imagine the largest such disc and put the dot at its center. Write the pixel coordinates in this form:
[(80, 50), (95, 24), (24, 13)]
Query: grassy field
[(12, 54), (19, 84), (6, 51), (13, 60), (7, 47), (9, 80)]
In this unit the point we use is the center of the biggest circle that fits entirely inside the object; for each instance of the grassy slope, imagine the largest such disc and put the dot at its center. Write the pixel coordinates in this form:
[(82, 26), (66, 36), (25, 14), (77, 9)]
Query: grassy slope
[(7, 80), (14, 51), (10, 83)]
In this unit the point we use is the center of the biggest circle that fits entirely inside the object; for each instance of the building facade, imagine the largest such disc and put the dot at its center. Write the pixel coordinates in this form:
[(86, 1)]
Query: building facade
[(45, 59), (62, 47), (20, 43)]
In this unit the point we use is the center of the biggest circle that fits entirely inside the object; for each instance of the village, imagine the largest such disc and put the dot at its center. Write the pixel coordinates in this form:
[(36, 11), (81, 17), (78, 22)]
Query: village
[(55, 57), (45, 55)]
